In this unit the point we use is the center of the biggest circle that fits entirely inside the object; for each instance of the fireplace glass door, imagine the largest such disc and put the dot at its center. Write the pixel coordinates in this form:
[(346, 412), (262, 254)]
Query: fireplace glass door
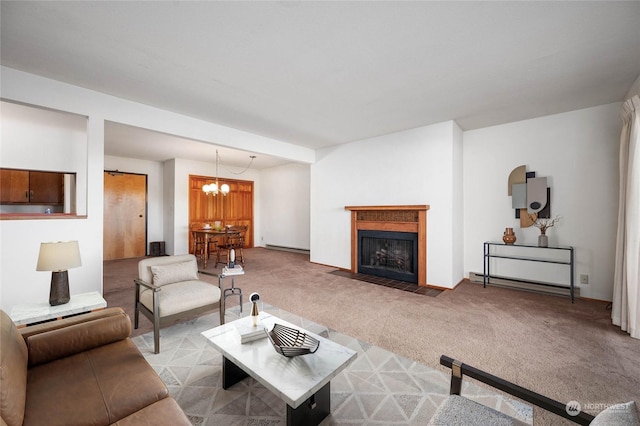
[(388, 254)]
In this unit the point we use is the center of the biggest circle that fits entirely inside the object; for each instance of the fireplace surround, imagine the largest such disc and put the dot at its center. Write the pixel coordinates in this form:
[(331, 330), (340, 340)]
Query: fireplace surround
[(393, 219)]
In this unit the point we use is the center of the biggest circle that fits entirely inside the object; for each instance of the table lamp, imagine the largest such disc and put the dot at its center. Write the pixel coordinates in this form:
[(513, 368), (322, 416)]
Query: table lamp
[(58, 257)]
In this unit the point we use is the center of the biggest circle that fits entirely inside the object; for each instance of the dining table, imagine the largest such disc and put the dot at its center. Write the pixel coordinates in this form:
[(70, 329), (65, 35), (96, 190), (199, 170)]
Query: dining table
[(219, 235)]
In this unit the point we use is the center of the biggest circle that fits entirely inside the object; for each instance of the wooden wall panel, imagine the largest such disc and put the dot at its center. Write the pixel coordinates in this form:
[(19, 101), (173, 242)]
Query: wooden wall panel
[(236, 208)]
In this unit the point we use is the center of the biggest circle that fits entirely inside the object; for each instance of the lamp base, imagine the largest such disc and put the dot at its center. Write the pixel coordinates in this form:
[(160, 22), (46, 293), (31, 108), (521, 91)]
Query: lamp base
[(59, 294)]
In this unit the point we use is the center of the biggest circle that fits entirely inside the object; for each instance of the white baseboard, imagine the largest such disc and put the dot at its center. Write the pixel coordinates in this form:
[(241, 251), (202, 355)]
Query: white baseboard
[(290, 249)]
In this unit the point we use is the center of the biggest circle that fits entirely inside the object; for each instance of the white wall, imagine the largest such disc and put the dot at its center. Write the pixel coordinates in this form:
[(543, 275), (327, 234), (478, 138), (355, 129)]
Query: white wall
[(576, 150), (155, 197), (45, 140), (411, 167), (578, 153), (285, 206), (69, 144), (20, 239), (457, 207)]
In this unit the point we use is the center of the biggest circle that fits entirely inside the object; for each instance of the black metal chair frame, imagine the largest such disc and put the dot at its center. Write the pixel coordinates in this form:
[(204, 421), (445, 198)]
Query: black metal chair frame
[(458, 370)]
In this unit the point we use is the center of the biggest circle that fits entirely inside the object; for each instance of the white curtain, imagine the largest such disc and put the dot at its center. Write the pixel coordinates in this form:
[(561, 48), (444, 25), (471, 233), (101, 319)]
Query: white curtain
[(625, 311)]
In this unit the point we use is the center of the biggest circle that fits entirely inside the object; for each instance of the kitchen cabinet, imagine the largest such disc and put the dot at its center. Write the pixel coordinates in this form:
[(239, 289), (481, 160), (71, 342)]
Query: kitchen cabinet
[(31, 187), (14, 186)]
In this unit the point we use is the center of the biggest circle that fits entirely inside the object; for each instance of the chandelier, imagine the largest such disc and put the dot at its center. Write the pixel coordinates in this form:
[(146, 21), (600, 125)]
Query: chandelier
[(214, 188)]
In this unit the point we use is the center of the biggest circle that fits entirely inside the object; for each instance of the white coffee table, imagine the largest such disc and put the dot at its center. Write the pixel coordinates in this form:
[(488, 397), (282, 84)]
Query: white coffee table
[(303, 382)]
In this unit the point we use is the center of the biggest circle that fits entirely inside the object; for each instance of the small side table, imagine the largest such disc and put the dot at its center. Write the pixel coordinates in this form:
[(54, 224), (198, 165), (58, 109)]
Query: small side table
[(233, 290), (30, 313)]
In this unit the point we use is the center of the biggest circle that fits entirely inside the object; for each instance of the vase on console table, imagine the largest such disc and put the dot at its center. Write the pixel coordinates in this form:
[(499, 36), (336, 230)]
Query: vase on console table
[(509, 237), (543, 240)]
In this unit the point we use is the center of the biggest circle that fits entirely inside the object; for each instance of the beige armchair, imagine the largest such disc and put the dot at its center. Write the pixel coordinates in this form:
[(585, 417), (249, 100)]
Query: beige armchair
[(168, 288)]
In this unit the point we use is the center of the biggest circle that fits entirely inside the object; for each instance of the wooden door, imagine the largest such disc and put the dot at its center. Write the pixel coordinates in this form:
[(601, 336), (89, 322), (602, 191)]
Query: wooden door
[(236, 208), (125, 215)]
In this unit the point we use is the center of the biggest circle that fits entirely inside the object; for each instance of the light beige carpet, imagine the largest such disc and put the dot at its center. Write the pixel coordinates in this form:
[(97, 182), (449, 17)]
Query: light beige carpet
[(562, 350)]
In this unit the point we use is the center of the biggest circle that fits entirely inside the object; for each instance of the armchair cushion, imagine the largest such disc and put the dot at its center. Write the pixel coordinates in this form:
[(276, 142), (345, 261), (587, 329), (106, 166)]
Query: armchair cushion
[(175, 272), (458, 410), (181, 297), (144, 266), (619, 414)]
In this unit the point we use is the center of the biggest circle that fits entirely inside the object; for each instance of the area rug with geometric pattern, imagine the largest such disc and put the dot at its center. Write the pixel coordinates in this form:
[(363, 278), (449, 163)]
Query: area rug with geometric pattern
[(378, 388)]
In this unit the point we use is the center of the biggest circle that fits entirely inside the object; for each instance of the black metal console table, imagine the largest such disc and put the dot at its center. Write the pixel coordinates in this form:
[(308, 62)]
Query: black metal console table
[(486, 279)]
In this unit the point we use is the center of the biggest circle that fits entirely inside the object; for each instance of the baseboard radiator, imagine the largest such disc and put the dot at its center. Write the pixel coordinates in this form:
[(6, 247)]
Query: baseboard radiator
[(476, 277), (289, 249)]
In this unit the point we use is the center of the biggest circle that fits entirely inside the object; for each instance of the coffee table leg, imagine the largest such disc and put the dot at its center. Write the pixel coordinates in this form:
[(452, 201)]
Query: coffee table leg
[(313, 410), (231, 373)]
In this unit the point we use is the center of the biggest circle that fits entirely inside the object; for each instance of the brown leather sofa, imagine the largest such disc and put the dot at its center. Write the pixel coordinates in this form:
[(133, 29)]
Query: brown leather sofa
[(83, 370)]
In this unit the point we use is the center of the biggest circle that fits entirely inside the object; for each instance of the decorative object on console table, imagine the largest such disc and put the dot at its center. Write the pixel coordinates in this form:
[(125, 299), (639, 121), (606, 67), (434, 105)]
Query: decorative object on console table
[(543, 225), (58, 257), (509, 237)]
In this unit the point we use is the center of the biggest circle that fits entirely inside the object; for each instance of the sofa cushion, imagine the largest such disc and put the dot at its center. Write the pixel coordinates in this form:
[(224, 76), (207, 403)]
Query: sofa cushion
[(183, 296), (619, 414), (13, 372), (76, 338), (174, 273), (98, 387)]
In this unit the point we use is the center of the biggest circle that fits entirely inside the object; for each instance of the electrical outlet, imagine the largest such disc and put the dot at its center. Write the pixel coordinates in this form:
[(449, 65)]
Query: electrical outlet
[(584, 279)]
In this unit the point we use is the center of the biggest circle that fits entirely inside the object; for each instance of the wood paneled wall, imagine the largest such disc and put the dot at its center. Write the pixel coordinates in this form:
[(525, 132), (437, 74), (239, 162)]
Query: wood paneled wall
[(236, 208)]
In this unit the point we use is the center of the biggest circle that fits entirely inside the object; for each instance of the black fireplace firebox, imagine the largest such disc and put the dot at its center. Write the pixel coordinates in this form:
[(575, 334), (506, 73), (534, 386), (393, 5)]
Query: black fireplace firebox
[(388, 254)]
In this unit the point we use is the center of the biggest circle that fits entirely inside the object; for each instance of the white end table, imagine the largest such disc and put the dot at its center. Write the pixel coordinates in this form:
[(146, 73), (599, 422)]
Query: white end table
[(29, 313)]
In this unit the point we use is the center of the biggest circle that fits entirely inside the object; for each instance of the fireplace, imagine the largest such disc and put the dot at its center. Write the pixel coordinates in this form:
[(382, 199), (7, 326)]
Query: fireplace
[(390, 230), (388, 254)]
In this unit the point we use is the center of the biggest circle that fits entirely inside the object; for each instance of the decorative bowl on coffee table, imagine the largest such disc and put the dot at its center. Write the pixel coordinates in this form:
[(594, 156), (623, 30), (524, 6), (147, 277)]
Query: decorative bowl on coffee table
[(291, 342)]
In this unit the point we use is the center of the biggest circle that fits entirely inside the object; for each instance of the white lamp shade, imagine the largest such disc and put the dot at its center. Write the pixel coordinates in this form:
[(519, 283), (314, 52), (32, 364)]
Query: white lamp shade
[(59, 256), (224, 188)]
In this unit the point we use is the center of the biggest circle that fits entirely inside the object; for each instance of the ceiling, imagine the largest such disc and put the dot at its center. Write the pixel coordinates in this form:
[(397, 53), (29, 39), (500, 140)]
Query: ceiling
[(323, 73)]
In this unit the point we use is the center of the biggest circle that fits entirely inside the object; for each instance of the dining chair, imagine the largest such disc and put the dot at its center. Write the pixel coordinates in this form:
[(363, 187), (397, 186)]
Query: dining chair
[(235, 240), (199, 245)]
